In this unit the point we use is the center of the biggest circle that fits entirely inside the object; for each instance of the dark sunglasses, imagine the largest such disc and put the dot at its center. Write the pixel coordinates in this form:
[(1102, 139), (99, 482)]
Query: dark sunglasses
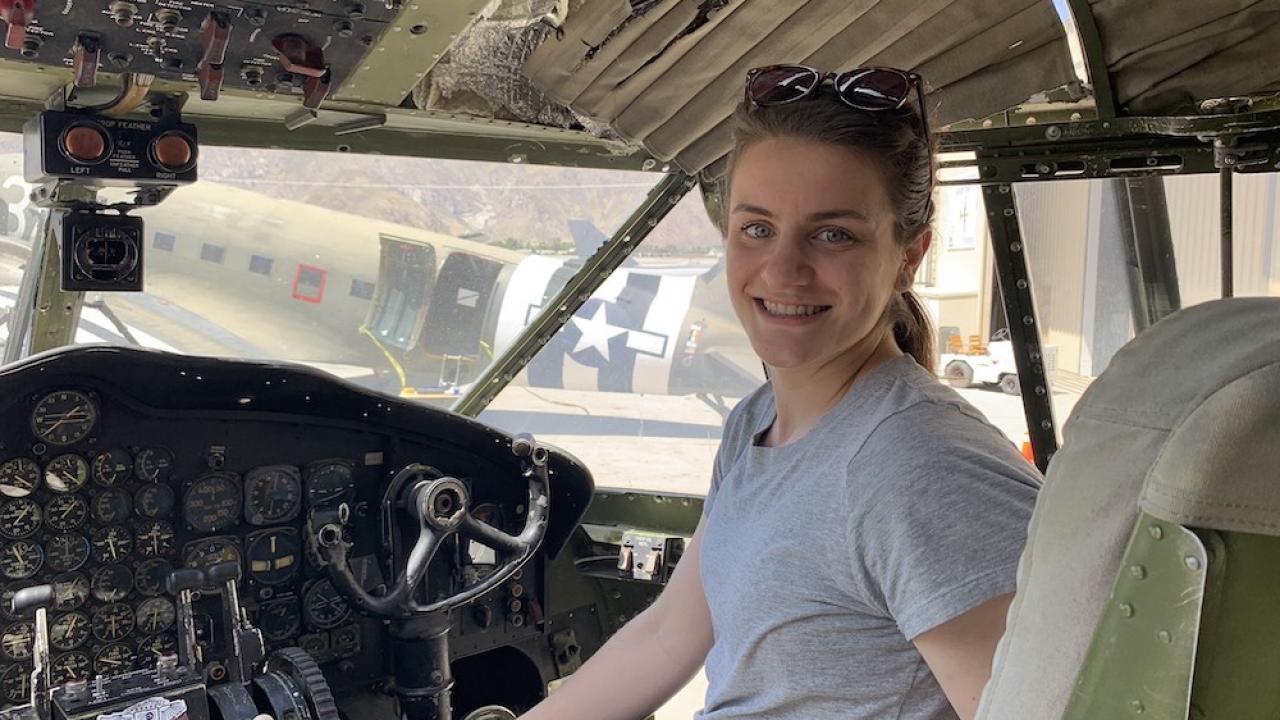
[(870, 88)]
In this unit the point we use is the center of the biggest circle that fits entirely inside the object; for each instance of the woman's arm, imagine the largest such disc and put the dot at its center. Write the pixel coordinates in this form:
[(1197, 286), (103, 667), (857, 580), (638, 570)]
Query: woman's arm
[(960, 651), (670, 640)]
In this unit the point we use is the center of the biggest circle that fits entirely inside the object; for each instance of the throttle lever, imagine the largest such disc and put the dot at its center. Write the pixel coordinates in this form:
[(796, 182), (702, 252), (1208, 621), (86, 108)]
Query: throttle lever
[(241, 636), (39, 597), (183, 583)]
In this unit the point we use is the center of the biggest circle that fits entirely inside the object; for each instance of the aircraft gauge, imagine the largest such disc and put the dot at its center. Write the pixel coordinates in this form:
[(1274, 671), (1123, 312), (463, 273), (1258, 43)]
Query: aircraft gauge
[(66, 473), (156, 538), (69, 631), (20, 518), (272, 494), (279, 619), (111, 466), (112, 543), (329, 480), (212, 503), (112, 507), (151, 649), (156, 615), (112, 583), (21, 559), (153, 464), (64, 417), (71, 666), (155, 501), (70, 591), (274, 556), (67, 551), (66, 512), (114, 659), (325, 608), (17, 640), (113, 622), (19, 477), (204, 554), (16, 683), (151, 575)]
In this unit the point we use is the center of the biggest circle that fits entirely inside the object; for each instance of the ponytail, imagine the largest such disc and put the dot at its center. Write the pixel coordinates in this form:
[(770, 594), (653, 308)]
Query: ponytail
[(912, 329)]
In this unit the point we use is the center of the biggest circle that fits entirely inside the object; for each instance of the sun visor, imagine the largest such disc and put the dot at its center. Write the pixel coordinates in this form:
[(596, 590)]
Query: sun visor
[(1162, 58), (670, 73)]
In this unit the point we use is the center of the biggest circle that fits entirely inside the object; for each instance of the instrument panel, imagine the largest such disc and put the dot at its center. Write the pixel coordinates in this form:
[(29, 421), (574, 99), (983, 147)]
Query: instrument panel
[(103, 494)]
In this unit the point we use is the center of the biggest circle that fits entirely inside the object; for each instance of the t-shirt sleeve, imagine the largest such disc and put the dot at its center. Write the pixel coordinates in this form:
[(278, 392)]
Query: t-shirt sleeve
[(950, 501), (735, 437)]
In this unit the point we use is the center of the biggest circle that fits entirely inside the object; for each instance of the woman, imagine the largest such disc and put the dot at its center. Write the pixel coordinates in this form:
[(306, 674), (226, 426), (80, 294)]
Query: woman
[(858, 547)]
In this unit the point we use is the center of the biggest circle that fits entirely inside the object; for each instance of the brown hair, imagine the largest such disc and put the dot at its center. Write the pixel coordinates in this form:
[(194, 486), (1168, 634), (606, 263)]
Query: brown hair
[(894, 141)]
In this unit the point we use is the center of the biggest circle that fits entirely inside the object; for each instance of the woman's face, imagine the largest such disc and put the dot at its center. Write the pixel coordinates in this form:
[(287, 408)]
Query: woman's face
[(811, 257)]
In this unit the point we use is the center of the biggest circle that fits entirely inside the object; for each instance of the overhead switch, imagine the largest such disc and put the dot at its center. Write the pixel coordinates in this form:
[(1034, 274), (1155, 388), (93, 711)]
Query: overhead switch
[(300, 57), (215, 34), (18, 14), (172, 151), (87, 54), (85, 144)]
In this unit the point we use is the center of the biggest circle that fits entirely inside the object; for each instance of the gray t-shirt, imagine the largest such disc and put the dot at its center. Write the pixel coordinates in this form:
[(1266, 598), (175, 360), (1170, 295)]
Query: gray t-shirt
[(821, 559)]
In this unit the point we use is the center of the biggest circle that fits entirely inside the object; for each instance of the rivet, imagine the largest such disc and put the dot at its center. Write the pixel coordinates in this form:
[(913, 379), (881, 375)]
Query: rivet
[(1193, 563), (1126, 610), (1022, 284), (1046, 425), (1008, 212), (1015, 246), (1156, 531), (1138, 572), (1165, 636), (1028, 320), (1053, 132), (1137, 707)]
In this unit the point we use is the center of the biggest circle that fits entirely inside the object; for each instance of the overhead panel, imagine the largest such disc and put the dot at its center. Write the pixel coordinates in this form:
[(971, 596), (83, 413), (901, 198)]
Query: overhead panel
[(670, 74), (1163, 58)]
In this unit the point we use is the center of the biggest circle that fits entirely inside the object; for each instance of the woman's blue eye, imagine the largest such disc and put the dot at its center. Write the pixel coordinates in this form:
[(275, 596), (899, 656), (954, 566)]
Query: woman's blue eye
[(833, 236), (756, 231)]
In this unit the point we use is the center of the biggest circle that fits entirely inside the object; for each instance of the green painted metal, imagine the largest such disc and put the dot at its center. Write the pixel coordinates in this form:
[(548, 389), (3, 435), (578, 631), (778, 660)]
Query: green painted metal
[(669, 514), (1143, 653), (57, 312), (662, 198), (1094, 57), (1239, 653), (420, 35)]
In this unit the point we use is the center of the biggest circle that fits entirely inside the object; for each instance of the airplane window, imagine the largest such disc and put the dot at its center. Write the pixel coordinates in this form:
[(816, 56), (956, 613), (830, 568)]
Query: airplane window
[(260, 265), (164, 241), (362, 289), (212, 253), (308, 285)]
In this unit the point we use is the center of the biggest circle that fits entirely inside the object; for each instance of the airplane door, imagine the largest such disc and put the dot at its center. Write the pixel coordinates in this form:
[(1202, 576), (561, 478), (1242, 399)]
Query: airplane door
[(459, 314)]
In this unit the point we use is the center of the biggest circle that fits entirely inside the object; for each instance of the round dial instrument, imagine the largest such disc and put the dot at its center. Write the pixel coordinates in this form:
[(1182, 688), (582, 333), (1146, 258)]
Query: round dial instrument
[(155, 501), (20, 518), (110, 467), (112, 543), (112, 583), (113, 622), (325, 608), (212, 503), (19, 477), (21, 559), (67, 551), (70, 591), (66, 473), (204, 554), (66, 512), (64, 417), (114, 659), (151, 575), (71, 666), (69, 631), (156, 538), (17, 640), (274, 556), (16, 684), (156, 615), (151, 649), (272, 494), (279, 619), (154, 464), (112, 507), (329, 480)]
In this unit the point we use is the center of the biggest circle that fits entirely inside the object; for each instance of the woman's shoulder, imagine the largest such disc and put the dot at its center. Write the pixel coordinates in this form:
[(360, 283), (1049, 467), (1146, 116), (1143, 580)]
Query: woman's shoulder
[(747, 417)]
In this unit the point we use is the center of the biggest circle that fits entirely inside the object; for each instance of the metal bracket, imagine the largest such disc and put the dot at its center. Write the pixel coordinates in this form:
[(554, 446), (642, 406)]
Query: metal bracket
[(1095, 57), (662, 198), (1020, 310)]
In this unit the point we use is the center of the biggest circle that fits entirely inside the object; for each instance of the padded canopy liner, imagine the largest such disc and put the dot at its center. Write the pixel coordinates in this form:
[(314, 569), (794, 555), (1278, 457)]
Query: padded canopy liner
[(669, 76), (1163, 56)]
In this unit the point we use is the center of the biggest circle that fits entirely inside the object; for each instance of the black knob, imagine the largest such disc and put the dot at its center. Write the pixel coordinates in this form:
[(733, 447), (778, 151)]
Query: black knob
[(32, 597), (184, 579), (223, 573)]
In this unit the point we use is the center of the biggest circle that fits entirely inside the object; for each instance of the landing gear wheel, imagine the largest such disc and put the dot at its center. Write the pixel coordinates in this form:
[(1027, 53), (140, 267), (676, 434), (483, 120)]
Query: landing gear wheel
[(1010, 385), (958, 374)]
